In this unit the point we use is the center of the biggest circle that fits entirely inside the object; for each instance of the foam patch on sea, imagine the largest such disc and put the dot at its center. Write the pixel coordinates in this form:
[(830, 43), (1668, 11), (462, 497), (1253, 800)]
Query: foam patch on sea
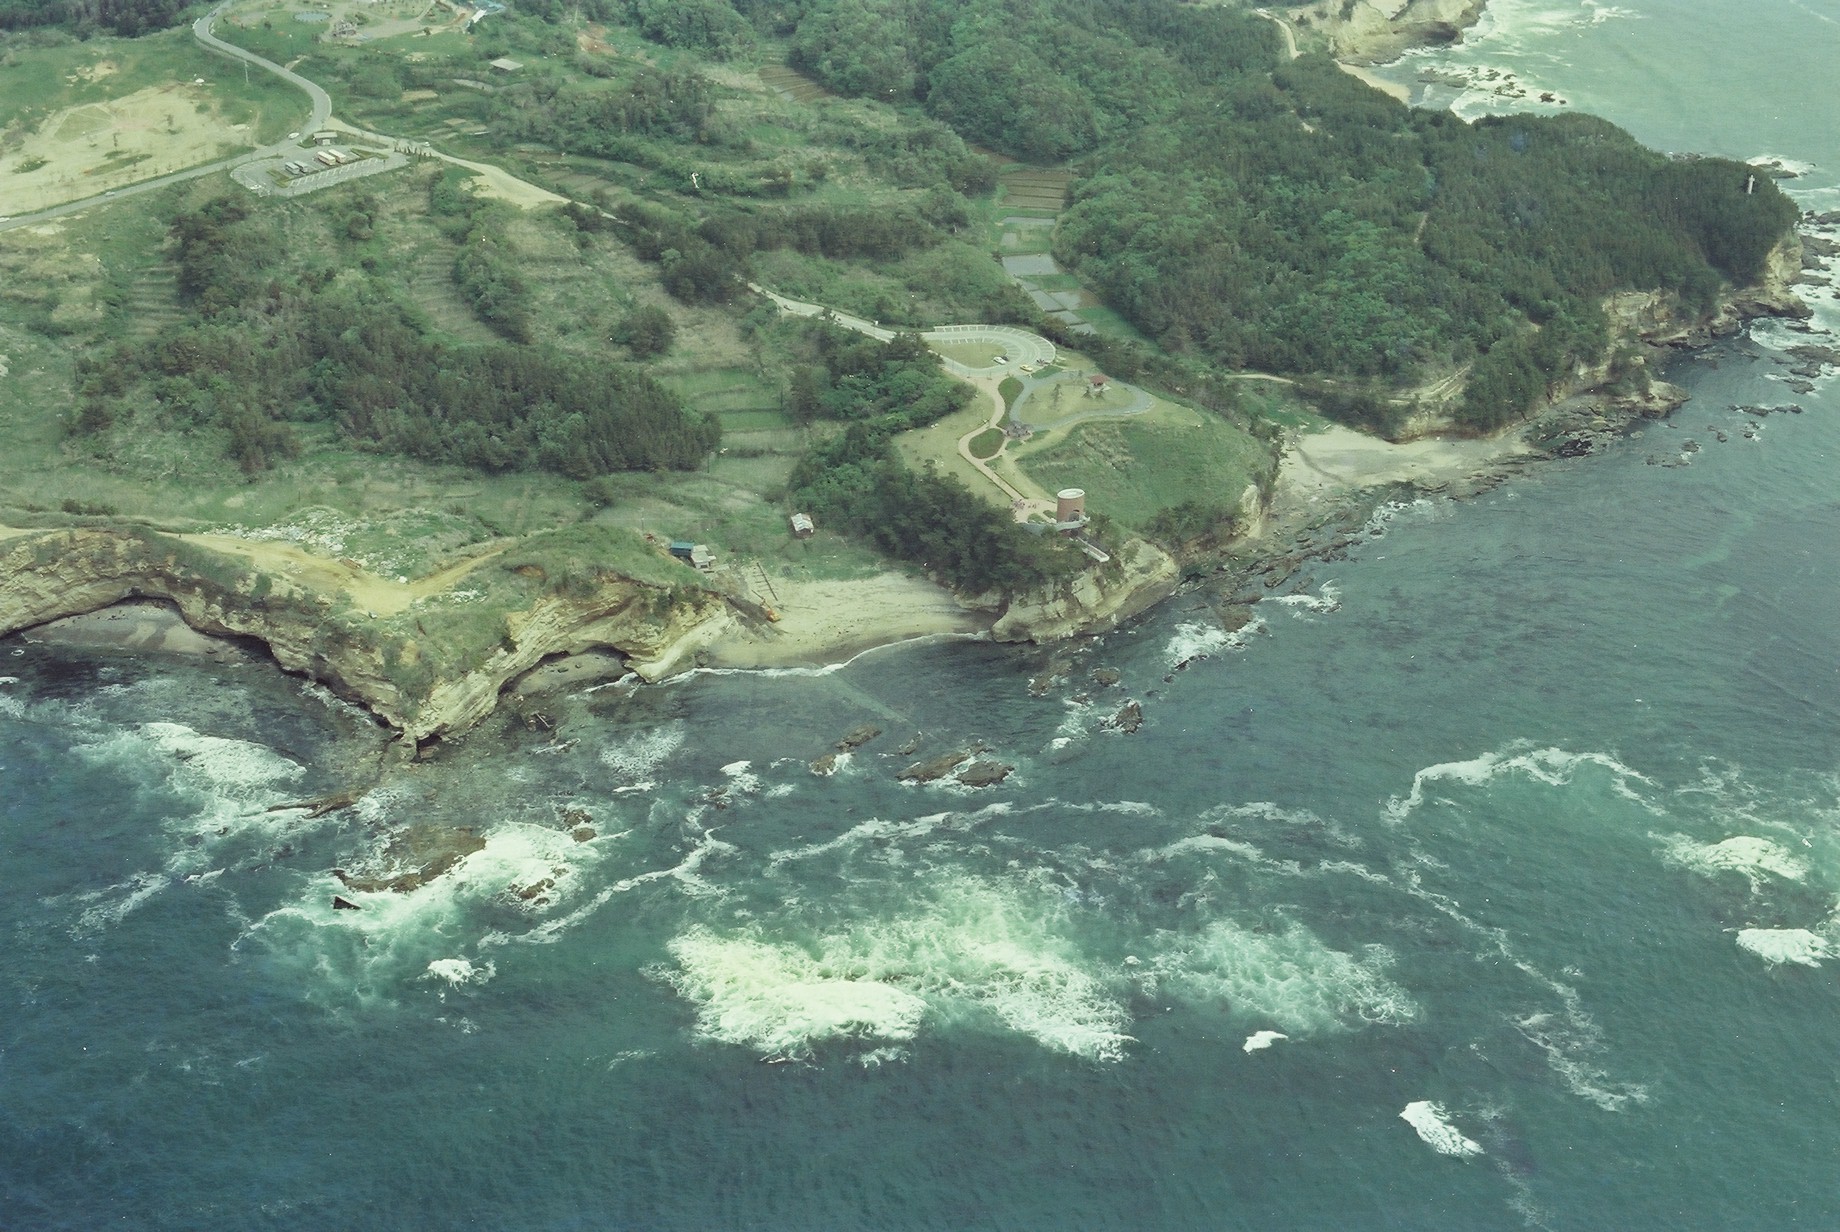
[(1431, 1122), (1197, 639), (1786, 945), (529, 872), (637, 759), (1552, 766), (1287, 976), (219, 796), (971, 952), (1756, 858)]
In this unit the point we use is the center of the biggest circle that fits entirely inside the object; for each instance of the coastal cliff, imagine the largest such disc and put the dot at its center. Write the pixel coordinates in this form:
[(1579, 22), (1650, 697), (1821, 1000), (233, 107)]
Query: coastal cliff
[(1642, 323), (1138, 577), (1368, 32), (432, 668)]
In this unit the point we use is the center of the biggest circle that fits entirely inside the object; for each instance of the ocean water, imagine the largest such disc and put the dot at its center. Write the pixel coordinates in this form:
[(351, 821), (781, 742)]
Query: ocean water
[(1487, 880)]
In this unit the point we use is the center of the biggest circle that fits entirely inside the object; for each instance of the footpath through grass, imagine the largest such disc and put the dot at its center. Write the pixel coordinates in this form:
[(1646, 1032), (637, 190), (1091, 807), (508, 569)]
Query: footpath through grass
[(1135, 468)]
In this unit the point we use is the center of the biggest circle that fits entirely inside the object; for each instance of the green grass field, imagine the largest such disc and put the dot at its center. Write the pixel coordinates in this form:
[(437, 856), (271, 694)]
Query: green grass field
[(39, 81), (938, 444), (1134, 468), (986, 443)]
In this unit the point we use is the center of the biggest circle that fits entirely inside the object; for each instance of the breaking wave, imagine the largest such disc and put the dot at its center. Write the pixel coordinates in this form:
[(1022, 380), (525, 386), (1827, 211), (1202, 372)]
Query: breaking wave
[(974, 951), (1288, 977), (1431, 1122)]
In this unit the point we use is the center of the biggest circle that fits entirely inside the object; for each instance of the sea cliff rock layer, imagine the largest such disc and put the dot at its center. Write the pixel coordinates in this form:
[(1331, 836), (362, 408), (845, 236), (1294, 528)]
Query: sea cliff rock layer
[(1368, 32), (428, 668)]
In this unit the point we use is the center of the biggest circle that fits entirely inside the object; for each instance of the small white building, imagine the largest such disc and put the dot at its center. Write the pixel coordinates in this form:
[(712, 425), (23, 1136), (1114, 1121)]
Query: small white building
[(802, 525)]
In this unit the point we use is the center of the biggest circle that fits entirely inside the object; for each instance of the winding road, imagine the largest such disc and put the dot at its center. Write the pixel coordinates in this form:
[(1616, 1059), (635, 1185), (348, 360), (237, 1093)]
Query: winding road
[(322, 102), (1019, 346)]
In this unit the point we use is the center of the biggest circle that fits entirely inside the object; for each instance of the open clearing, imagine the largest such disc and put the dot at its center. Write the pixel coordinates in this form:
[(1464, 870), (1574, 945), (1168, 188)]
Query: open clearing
[(93, 147), (1134, 468)]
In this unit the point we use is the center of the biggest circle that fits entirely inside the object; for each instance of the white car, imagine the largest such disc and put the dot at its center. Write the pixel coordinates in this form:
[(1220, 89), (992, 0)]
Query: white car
[(1001, 359)]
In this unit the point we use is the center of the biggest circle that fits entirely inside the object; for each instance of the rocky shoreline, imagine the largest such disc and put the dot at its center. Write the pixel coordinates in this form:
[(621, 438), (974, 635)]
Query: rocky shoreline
[(391, 668), (1369, 32)]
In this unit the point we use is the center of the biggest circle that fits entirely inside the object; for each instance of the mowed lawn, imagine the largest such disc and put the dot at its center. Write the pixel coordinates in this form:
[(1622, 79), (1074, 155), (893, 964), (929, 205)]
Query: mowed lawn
[(938, 444), (1134, 468)]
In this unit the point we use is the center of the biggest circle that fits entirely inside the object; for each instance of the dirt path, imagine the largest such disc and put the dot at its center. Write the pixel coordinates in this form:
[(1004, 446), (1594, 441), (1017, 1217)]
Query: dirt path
[(378, 596), (1290, 36)]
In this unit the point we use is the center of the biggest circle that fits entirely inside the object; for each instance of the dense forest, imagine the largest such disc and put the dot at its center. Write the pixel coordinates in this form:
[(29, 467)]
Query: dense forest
[(125, 17), (1281, 215), (266, 354)]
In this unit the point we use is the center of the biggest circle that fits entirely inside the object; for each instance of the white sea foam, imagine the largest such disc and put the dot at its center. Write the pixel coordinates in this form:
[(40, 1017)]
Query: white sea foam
[(973, 950), (1418, 509), (1569, 1041), (1258, 1041), (741, 778), (1197, 639), (1554, 767), (1303, 604), (1794, 166), (533, 870), (625, 1058), (1431, 1122), (636, 758), (223, 766), (458, 972), (1780, 945), (1597, 14), (221, 793), (1289, 977), (107, 907), (781, 999), (1754, 857), (1074, 726)]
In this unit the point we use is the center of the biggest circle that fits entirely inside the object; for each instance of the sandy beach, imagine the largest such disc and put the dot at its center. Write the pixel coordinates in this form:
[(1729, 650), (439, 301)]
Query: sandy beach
[(830, 622), (1392, 89)]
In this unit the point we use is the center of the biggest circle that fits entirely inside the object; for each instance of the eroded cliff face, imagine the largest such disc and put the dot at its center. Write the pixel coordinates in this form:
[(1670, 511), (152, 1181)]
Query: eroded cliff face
[(1651, 320), (1099, 599), (1378, 31), (396, 666)]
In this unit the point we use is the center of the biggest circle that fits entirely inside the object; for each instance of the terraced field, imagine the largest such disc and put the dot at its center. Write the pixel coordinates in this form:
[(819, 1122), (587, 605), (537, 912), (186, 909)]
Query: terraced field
[(430, 283), (152, 302), (792, 84), (1034, 188)]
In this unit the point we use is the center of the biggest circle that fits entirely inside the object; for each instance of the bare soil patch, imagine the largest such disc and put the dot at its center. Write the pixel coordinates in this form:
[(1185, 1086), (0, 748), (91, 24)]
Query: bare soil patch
[(84, 150)]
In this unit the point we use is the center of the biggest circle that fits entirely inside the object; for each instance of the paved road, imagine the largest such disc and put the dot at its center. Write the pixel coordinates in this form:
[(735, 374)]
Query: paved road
[(322, 102), (1020, 345)]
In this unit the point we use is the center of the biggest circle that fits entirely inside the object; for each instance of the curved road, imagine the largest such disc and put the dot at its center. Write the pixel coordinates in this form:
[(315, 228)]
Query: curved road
[(322, 102)]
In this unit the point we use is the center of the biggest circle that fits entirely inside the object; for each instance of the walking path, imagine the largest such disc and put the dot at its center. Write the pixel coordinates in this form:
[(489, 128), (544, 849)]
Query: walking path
[(1020, 349)]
